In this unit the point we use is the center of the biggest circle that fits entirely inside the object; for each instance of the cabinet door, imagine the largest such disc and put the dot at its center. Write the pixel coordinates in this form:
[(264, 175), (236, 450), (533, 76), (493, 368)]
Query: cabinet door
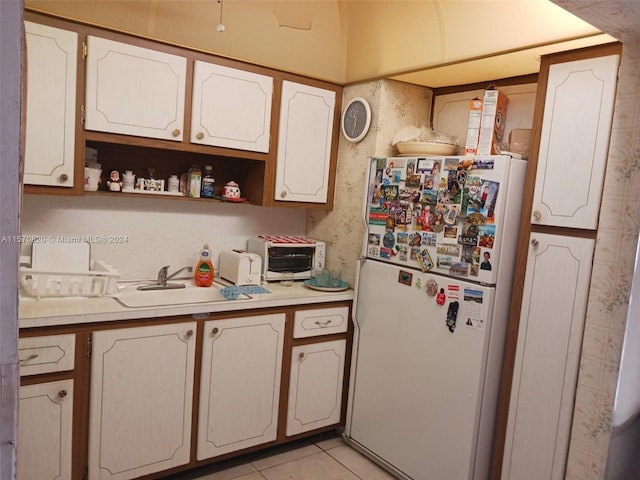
[(240, 383), (231, 108), (304, 143), (140, 400), (547, 356), (574, 142), (51, 105), (44, 431), (315, 386), (134, 91)]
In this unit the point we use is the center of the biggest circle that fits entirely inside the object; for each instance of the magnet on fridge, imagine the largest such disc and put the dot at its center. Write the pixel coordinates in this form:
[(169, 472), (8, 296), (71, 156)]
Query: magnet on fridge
[(452, 315), (405, 277), (431, 287), (441, 297)]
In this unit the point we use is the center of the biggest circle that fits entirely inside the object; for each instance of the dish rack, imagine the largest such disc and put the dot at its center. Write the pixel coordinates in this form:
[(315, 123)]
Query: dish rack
[(101, 279)]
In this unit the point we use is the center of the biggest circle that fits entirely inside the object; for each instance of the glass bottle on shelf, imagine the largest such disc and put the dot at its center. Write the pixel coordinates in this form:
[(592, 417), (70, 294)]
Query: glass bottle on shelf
[(208, 182), (194, 180)]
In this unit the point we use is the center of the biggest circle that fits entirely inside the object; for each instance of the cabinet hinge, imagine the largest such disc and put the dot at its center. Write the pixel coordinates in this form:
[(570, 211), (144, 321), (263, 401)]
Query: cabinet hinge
[(89, 347), (85, 50), (83, 114)]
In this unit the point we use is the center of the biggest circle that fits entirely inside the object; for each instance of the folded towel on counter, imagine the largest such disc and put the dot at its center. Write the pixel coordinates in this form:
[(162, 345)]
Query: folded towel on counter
[(233, 292)]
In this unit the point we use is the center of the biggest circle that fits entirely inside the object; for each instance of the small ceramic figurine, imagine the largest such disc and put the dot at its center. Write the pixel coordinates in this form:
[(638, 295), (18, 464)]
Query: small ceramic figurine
[(114, 183), (231, 190)]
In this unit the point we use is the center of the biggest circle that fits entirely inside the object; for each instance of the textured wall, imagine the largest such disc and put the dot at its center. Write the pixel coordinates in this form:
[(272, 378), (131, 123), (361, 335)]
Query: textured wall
[(393, 105)]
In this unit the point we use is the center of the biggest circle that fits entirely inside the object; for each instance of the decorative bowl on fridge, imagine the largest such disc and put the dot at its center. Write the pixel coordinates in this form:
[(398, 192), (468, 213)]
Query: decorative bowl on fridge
[(426, 148)]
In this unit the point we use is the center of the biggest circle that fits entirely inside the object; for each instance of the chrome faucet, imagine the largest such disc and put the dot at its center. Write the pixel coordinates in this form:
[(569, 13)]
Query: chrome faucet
[(163, 277)]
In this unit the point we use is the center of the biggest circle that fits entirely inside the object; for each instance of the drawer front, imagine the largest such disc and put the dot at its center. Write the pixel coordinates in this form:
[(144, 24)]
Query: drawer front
[(320, 321), (53, 353)]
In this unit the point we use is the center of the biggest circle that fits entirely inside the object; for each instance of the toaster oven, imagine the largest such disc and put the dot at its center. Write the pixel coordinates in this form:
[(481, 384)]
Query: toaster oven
[(290, 254)]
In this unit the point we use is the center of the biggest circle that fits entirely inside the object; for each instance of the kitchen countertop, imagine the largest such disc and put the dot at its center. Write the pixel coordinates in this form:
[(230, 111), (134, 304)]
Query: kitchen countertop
[(46, 312)]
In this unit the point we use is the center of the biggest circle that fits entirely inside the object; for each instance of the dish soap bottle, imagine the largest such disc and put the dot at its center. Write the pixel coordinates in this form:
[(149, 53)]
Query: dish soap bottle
[(204, 269)]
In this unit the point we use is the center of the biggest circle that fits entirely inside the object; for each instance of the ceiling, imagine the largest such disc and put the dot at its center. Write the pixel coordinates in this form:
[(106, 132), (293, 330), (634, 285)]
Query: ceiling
[(493, 67), (434, 43)]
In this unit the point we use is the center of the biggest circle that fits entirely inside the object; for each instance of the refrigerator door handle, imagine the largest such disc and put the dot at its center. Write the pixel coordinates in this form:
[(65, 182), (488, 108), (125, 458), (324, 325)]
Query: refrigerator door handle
[(354, 309)]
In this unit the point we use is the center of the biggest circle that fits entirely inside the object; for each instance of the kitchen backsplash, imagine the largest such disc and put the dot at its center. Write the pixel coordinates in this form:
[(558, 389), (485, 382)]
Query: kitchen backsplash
[(140, 235)]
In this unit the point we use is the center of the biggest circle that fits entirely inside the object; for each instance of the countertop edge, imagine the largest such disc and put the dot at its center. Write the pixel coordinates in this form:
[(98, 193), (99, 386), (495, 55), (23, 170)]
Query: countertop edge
[(33, 313)]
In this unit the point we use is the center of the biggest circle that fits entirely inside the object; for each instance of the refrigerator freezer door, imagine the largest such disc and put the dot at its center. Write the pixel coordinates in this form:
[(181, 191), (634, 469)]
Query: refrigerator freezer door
[(417, 391), (450, 215)]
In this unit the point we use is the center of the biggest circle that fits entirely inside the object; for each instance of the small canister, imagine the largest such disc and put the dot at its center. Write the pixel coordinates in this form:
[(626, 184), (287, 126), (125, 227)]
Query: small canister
[(174, 184), (128, 180)]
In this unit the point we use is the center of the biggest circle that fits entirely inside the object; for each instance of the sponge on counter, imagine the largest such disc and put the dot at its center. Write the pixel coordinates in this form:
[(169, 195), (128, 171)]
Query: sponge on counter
[(233, 292)]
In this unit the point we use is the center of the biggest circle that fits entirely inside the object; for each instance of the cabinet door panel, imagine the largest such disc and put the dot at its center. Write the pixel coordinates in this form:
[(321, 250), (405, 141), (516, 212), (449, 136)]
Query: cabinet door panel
[(51, 105), (547, 356), (574, 142), (231, 108), (44, 431), (315, 386), (141, 400), (304, 143), (240, 383), (134, 91)]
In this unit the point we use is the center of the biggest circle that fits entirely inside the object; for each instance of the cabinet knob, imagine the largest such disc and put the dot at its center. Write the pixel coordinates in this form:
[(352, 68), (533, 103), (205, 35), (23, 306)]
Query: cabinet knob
[(537, 214), (189, 333), (62, 393), (64, 177), (215, 330), (176, 132), (283, 194), (534, 242), (200, 136), (301, 355)]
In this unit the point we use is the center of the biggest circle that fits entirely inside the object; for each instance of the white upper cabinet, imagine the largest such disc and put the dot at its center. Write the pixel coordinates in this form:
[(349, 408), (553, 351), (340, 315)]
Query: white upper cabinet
[(51, 105), (231, 108), (134, 91), (574, 142), (304, 143)]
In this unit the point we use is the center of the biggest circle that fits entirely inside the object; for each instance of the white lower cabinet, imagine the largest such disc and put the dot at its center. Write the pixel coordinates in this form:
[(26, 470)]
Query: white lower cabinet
[(315, 386), (44, 431), (552, 318), (141, 398), (240, 383)]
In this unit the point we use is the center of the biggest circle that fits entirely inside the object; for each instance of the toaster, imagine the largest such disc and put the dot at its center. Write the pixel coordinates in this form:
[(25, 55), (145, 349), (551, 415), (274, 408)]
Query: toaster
[(240, 267)]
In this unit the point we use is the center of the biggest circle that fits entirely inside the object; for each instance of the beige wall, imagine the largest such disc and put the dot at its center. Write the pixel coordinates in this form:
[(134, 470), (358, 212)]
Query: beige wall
[(393, 105)]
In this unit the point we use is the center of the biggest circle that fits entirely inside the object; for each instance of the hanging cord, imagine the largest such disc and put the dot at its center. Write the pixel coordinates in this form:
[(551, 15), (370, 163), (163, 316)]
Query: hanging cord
[(220, 27)]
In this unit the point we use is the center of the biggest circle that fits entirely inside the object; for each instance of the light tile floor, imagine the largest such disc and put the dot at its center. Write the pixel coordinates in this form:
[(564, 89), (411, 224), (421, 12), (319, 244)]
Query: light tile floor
[(319, 459)]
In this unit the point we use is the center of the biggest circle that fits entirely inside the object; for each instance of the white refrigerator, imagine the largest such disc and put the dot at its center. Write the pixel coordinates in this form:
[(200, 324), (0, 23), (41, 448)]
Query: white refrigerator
[(431, 309)]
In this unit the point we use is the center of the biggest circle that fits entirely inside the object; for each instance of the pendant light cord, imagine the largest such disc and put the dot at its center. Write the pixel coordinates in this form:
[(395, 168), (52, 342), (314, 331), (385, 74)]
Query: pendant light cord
[(220, 27)]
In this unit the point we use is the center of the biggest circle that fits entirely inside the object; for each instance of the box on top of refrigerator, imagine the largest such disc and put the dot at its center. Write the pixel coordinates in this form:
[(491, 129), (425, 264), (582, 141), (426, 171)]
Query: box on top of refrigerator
[(494, 117), (473, 127)]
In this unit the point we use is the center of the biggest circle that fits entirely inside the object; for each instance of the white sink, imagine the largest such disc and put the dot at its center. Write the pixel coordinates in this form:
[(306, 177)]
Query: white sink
[(130, 296)]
